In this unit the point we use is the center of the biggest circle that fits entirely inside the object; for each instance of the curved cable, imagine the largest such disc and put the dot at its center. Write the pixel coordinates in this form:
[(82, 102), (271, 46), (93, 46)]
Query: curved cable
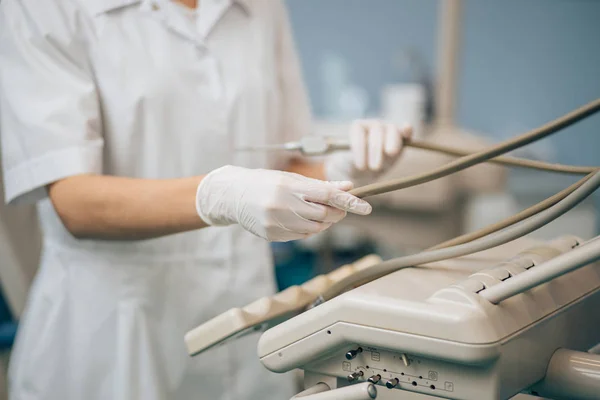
[(528, 212), (581, 256), (514, 232), (505, 160), (482, 156)]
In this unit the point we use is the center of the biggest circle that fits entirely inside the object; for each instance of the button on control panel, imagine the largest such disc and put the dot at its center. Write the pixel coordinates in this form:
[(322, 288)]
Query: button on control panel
[(392, 383), (353, 377), (351, 355), (393, 370)]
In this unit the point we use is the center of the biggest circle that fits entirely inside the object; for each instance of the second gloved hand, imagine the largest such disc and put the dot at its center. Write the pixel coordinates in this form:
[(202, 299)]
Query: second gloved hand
[(375, 147), (277, 206)]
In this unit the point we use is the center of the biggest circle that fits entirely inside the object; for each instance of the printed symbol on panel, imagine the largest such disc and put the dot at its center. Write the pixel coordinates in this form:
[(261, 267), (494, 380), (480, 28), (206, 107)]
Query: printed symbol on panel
[(375, 356), (433, 376), (449, 386), (346, 366)]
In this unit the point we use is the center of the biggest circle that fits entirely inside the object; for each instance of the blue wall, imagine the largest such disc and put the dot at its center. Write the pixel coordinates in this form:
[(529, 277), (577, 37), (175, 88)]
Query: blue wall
[(367, 34), (522, 64), (527, 62)]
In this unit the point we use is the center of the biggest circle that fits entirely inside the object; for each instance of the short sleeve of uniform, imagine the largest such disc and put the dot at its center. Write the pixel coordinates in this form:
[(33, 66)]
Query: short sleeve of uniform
[(49, 114), (295, 107)]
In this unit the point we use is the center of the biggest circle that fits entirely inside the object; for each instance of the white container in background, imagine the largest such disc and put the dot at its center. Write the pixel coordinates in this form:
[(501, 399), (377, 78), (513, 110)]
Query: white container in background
[(405, 104)]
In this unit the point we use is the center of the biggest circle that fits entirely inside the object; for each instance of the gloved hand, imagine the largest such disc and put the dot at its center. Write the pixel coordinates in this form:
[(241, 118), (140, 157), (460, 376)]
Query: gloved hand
[(277, 206), (375, 147)]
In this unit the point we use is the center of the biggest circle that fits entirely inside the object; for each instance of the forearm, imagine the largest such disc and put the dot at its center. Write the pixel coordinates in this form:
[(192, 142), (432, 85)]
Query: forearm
[(117, 208), (306, 168)]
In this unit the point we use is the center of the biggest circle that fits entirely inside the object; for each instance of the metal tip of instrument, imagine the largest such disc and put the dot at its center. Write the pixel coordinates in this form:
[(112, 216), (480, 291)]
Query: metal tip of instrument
[(271, 147)]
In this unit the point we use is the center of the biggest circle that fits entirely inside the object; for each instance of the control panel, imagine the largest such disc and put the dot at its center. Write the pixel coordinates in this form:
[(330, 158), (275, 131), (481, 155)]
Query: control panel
[(389, 371)]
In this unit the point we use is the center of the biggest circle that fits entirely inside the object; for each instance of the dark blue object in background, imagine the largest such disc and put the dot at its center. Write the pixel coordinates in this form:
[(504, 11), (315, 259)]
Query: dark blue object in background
[(295, 265), (8, 327)]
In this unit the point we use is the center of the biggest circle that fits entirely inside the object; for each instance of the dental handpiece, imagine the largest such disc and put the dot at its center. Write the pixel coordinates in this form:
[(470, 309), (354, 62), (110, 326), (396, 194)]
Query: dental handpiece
[(308, 146)]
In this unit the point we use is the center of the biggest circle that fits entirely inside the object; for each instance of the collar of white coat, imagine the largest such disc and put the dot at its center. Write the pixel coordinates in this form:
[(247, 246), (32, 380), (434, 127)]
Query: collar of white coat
[(104, 6)]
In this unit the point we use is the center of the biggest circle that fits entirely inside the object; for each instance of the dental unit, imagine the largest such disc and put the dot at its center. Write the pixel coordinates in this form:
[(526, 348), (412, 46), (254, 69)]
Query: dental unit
[(485, 316)]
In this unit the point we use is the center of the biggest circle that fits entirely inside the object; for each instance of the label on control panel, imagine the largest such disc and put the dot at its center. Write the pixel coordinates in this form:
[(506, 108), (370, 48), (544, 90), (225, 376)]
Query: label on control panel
[(433, 375), (449, 386), (346, 366), (375, 356)]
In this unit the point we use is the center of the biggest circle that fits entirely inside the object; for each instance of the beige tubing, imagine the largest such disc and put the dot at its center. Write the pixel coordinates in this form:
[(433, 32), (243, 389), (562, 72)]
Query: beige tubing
[(507, 235), (482, 156), (504, 160), (571, 375), (582, 255), (528, 212)]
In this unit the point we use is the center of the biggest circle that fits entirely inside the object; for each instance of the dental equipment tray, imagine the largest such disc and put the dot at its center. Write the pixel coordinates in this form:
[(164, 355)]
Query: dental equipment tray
[(428, 329)]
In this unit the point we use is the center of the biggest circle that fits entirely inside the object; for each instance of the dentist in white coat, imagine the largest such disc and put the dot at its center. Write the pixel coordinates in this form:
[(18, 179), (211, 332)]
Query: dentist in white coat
[(119, 118)]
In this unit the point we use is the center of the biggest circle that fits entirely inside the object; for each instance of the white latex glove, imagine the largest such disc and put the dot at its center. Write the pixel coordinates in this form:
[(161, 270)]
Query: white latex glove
[(375, 147), (275, 205)]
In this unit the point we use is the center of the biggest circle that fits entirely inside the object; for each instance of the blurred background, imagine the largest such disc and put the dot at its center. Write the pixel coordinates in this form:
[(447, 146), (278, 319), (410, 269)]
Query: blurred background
[(466, 73)]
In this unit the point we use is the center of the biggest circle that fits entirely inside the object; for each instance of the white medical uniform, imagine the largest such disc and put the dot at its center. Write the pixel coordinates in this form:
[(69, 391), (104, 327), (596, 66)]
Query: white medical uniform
[(141, 89)]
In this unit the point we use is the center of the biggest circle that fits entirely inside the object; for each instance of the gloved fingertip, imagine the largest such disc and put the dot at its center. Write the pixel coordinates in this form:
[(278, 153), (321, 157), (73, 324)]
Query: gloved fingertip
[(361, 207), (360, 165), (342, 185), (326, 226), (376, 164), (358, 146), (346, 202), (393, 140)]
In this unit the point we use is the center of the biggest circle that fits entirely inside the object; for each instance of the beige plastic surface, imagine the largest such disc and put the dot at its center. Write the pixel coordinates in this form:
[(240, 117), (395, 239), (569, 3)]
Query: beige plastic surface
[(458, 345), (571, 375), (268, 309), (442, 302)]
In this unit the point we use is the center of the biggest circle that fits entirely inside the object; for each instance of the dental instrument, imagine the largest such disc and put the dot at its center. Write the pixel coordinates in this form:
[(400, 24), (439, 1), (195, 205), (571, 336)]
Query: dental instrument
[(317, 145), (323, 145), (308, 146)]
